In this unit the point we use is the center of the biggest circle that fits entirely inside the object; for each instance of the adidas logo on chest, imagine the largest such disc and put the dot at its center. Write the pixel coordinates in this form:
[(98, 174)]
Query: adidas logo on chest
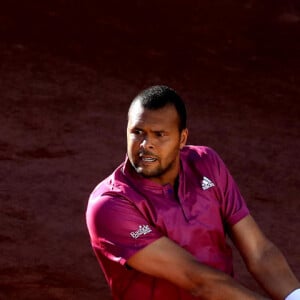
[(206, 183)]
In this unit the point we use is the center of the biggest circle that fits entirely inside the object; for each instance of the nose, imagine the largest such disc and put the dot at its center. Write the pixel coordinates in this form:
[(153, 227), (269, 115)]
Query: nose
[(146, 143)]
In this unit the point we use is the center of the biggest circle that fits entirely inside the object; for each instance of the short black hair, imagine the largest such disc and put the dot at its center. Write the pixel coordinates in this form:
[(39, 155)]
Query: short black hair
[(158, 96)]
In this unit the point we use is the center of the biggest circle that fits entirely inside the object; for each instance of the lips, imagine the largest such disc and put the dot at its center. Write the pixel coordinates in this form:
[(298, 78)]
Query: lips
[(147, 158)]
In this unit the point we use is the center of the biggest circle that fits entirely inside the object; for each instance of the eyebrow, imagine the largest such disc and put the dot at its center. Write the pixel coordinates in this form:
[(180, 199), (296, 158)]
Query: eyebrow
[(154, 131)]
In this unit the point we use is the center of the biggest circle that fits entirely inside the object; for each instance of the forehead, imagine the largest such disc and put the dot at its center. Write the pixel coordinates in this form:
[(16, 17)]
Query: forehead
[(165, 117)]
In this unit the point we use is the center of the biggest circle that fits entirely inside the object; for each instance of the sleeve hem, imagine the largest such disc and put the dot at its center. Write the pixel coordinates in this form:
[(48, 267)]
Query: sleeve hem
[(238, 216)]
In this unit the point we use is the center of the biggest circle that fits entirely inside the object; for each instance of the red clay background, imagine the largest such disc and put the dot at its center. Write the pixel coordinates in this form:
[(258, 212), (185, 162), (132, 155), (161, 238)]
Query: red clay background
[(68, 71)]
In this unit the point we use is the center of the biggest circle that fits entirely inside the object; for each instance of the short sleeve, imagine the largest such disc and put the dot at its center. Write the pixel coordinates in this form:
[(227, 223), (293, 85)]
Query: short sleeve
[(117, 228), (234, 207)]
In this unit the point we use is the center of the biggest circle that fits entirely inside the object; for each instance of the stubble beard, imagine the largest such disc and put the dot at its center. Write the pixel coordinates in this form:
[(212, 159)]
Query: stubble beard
[(154, 173)]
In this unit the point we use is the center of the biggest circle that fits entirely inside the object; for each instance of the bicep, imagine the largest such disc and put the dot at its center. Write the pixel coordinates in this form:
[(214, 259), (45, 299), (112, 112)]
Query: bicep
[(162, 258), (249, 239), (165, 259)]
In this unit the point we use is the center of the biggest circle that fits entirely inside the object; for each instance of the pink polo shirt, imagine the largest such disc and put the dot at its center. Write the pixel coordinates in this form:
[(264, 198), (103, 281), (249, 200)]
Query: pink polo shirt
[(127, 212)]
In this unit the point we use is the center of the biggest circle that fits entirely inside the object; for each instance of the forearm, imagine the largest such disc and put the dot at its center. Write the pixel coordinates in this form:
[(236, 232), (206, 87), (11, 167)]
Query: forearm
[(217, 285), (272, 271), (165, 259)]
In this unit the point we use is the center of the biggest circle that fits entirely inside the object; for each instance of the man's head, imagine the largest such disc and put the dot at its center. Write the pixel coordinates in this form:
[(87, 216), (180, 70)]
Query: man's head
[(159, 96), (156, 131)]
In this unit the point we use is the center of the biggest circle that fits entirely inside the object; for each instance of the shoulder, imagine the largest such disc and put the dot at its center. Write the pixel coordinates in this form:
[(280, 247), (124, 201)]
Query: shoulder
[(109, 208), (115, 184), (201, 153), (202, 160), (108, 193), (113, 216), (114, 198)]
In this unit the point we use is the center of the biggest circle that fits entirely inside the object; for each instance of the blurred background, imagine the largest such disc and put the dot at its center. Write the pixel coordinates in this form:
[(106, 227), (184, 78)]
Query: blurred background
[(68, 71)]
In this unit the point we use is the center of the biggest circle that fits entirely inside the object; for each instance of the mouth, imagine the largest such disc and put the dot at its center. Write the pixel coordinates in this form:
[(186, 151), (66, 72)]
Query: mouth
[(147, 158)]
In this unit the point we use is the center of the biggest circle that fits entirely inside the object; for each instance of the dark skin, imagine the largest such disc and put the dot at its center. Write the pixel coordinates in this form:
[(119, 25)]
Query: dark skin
[(154, 142)]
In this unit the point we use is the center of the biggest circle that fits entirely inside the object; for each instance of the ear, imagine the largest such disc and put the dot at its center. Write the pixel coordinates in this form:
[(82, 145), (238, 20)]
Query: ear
[(183, 137)]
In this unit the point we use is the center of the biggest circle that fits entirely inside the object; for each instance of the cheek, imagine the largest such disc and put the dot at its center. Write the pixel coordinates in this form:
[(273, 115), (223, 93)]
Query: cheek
[(132, 144), (170, 151)]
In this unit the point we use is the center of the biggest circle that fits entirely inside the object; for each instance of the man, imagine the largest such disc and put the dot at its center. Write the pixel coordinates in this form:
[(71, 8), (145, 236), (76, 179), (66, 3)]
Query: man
[(158, 224)]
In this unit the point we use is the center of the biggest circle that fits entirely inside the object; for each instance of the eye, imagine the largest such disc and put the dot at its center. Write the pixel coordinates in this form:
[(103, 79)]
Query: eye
[(137, 132), (160, 133)]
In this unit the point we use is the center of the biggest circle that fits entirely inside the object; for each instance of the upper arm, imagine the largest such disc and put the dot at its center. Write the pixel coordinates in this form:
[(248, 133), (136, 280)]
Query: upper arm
[(263, 259), (249, 239), (165, 259), (162, 258)]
